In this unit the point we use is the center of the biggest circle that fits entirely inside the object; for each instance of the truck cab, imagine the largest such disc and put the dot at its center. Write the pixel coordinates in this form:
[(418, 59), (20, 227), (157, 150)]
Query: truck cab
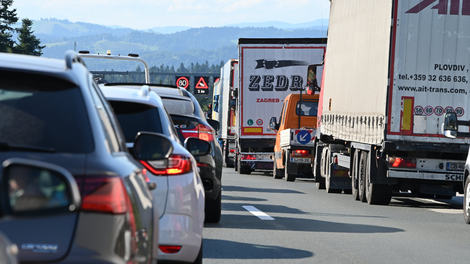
[(293, 151)]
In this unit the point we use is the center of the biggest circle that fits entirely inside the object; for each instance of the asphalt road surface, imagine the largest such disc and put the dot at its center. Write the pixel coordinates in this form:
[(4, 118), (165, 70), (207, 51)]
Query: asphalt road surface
[(273, 221)]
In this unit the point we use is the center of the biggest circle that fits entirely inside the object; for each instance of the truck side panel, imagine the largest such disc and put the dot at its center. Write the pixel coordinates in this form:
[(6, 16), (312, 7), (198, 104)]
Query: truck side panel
[(356, 76)]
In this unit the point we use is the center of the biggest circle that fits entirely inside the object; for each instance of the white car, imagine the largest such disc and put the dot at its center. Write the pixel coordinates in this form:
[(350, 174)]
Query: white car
[(179, 194)]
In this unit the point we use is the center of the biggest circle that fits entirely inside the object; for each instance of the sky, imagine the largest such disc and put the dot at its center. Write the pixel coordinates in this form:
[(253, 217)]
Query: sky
[(145, 14)]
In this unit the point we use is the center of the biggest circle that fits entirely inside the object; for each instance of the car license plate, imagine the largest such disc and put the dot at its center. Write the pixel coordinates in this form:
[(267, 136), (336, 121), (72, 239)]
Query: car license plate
[(455, 166), (300, 160)]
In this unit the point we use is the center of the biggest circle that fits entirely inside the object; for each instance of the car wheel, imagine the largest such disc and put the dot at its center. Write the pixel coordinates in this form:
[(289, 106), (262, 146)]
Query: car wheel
[(466, 201), (214, 210), (198, 259)]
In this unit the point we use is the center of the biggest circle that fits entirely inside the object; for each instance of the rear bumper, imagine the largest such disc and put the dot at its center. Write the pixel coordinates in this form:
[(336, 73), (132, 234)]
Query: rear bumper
[(179, 230)]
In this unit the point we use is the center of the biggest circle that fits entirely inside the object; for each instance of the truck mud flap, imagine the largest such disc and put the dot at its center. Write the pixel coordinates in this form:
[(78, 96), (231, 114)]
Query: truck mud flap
[(259, 165)]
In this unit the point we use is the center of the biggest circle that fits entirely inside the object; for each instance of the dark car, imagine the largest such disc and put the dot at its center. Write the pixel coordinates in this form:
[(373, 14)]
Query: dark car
[(190, 121), (52, 111)]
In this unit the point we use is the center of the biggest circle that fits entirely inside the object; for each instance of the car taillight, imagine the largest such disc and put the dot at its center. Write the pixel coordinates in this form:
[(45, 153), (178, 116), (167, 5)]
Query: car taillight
[(300, 153), (402, 162), (104, 194), (248, 157), (200, 131), (174, 165), (169, 249)]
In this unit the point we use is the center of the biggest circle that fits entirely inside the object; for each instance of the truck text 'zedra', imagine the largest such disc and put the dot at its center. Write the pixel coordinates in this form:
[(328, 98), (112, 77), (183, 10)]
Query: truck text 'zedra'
[(270, 69), (293, 152), (392, 70)]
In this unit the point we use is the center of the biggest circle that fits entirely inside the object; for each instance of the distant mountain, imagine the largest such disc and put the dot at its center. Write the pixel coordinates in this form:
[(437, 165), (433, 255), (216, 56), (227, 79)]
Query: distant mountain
[(171, 46), (282, 25), (168, 30)]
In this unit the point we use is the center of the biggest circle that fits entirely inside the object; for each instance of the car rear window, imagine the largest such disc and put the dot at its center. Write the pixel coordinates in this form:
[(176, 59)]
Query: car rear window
[(178, 107), (135, 117), (43, 111)]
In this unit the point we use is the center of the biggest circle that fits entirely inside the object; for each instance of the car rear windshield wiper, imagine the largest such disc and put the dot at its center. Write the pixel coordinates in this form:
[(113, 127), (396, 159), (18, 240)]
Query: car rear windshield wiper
[(8, 147)]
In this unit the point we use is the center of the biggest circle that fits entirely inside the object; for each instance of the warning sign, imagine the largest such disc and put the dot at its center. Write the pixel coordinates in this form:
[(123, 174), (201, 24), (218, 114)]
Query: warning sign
[(201, 86), (182, 81)]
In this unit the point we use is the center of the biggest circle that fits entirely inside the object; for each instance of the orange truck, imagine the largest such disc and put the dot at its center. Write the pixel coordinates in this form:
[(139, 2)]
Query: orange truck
[(293, 152)]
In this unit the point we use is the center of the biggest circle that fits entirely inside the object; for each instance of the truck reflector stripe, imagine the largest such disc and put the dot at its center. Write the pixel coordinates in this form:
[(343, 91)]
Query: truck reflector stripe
[(253, 129), (407, 114)]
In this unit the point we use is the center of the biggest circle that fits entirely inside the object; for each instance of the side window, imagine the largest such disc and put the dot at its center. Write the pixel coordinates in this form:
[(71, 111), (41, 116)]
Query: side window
[(111, 139), (283, 114)]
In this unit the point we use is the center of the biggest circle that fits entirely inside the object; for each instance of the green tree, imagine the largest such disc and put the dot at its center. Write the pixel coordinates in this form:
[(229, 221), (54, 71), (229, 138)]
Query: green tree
[(7, 19), (29, 44)]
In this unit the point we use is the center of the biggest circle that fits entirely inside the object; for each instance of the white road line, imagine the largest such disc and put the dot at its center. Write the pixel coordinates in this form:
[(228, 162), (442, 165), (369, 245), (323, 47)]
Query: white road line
[(261, 215)]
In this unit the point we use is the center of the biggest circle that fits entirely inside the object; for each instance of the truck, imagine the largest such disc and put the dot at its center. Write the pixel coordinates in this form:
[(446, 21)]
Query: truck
[(392, 69), (223, 110), (293, 151), (269, 70)]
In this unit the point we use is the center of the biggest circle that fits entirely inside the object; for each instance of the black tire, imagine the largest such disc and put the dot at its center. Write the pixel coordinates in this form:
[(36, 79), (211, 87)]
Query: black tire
[(354, 182), (236, 166), (376, 193), (362, 175), (466, 201), (321, 184), (277, 173), (214, 210), (198, 259), (328, 175), (288, 177)]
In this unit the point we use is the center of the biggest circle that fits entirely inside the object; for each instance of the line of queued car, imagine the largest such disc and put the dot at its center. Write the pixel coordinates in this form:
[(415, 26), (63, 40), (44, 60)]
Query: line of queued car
[(97, 173)]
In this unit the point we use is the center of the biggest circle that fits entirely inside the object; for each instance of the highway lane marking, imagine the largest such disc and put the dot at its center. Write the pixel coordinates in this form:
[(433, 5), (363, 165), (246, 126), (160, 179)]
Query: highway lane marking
[(256, 212)]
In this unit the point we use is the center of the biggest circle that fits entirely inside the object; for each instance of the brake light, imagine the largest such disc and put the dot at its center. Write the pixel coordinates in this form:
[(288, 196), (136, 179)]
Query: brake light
[(200, 131), (174, 165), (300, 153), (169, 249), (402, 162), (232, 151), (248, 157), (104, 194)]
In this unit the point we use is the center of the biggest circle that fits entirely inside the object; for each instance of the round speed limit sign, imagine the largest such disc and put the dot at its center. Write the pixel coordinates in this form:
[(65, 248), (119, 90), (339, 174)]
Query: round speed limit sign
[(182, 82)]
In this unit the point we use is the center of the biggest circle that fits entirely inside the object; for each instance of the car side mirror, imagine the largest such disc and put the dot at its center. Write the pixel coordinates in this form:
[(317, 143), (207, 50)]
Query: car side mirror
[(151, 146), (36, 187), (197, 147), (273, 125), (450, 125), (214, 124)]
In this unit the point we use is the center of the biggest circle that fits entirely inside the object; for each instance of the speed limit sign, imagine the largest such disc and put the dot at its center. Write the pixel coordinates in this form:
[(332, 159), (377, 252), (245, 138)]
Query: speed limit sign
[(182, 82)]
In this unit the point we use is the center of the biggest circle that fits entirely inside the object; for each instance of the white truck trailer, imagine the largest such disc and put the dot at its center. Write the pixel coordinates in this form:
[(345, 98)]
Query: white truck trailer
[(392, 69), (269, 70), (223, 110)]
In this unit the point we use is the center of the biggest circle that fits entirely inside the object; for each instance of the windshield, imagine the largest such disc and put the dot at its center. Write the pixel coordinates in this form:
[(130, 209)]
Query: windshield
[(306, 108), (135, 117), (45, 112), (178, 107)]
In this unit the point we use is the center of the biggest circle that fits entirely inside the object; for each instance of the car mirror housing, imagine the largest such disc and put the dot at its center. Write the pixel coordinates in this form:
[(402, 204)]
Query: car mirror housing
[(214, 124), (36, 187), (197, 147), (152, 146)]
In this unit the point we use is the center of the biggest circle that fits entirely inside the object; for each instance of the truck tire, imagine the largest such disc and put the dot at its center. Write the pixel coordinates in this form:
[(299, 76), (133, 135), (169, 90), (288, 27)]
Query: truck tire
[(236, 163), (288, 177), (277, 173), (328, 175), (362, 175), (243, 169), (354, 176), (466, 201), (379, 194)]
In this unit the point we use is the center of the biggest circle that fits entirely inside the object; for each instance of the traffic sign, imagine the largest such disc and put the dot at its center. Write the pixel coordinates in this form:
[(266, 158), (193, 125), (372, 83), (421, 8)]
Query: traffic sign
[(182, 81), (201, 86), (304, 136)]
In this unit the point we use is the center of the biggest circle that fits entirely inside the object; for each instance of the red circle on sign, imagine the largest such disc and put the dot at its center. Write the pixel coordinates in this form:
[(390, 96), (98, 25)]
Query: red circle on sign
[(259, 122), (419, 110), (438, 110), (428, 110), (459, 111), (182, 82)]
